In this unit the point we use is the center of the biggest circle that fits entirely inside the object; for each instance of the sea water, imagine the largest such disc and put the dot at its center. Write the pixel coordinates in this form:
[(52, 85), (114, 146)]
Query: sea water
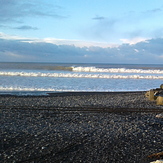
[(67, 77)]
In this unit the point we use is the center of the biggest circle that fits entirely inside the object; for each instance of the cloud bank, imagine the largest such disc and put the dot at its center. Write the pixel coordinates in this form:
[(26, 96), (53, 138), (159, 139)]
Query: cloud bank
[(14, 49)]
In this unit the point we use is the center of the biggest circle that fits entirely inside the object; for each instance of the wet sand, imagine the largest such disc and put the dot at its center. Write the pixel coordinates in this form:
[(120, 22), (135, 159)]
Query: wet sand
[(80, 127)]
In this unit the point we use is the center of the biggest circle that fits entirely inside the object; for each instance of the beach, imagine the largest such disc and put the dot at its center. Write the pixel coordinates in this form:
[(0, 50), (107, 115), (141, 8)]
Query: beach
[(80, 127)]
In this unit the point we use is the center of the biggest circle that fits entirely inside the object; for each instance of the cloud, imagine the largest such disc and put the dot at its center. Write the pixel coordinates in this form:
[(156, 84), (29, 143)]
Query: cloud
[(78, 43), (11, 54), (103, 30), (3, 26), (4, 36), (155, 10), (27, 50), (161, 57), (26, 27), (23, 27), (133, 41), (130, 26), (112, 29), (98, 18), (15, 10)]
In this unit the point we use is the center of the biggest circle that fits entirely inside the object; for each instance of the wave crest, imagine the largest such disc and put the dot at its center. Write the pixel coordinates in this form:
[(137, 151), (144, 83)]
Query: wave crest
[(76, 75), (116, 70)]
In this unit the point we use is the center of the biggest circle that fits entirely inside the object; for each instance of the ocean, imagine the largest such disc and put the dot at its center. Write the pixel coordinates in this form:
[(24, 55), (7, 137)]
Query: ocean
[(39, 78)]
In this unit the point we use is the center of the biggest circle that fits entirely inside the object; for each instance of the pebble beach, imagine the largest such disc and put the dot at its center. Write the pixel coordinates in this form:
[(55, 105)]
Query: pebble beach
[(89, 127)]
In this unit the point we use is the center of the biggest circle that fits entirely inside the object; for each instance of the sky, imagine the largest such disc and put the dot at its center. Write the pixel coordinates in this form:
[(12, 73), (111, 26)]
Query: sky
[(86, 31)]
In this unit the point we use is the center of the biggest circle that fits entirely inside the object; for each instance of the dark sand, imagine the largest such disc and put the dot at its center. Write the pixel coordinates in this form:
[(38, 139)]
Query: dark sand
[(80, 127)]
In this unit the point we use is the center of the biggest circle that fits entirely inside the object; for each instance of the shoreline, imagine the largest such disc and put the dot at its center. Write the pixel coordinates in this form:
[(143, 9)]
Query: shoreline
[(39, 93), (61, 127)]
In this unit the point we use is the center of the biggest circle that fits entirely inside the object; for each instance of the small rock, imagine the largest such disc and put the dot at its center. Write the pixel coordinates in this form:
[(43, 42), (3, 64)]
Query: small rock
[(157, 161), (112, 122), (43, 147), (159, 115)]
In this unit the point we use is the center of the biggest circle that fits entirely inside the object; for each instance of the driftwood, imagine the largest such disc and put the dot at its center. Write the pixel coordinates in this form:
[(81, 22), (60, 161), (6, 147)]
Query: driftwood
[(156, 155)]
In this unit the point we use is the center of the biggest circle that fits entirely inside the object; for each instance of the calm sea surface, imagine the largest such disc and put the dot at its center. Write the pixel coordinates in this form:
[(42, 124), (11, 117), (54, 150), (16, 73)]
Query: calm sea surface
[(61, 77)]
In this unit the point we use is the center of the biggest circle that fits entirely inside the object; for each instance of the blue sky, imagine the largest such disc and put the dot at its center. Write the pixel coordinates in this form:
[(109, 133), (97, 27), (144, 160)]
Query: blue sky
[(105, 31)]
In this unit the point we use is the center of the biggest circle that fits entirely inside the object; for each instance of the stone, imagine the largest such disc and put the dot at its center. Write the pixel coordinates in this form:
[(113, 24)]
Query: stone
[(157, 161), (159, 100), (159, 115), (151, 94)]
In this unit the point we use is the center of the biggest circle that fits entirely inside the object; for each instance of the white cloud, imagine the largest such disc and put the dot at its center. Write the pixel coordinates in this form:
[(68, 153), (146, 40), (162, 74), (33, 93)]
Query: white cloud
[(11, 37), (134, 40), (77, 43), (136, 50), (56, 41)]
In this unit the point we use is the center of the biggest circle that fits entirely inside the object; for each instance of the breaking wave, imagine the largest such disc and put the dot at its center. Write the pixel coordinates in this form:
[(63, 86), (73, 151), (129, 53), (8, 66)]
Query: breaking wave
[(116, 70), (77, 75), (30, 90), (27, 89)]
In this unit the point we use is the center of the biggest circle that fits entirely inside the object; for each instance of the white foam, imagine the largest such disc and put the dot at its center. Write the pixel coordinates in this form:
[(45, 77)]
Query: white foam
[(32, 89), (24, 89), (46, 89), (77, 75), (4, 90), (116, 70)]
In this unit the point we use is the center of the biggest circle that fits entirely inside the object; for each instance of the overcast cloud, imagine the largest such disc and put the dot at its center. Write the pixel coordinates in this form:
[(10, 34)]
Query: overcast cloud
[(150, 51)]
